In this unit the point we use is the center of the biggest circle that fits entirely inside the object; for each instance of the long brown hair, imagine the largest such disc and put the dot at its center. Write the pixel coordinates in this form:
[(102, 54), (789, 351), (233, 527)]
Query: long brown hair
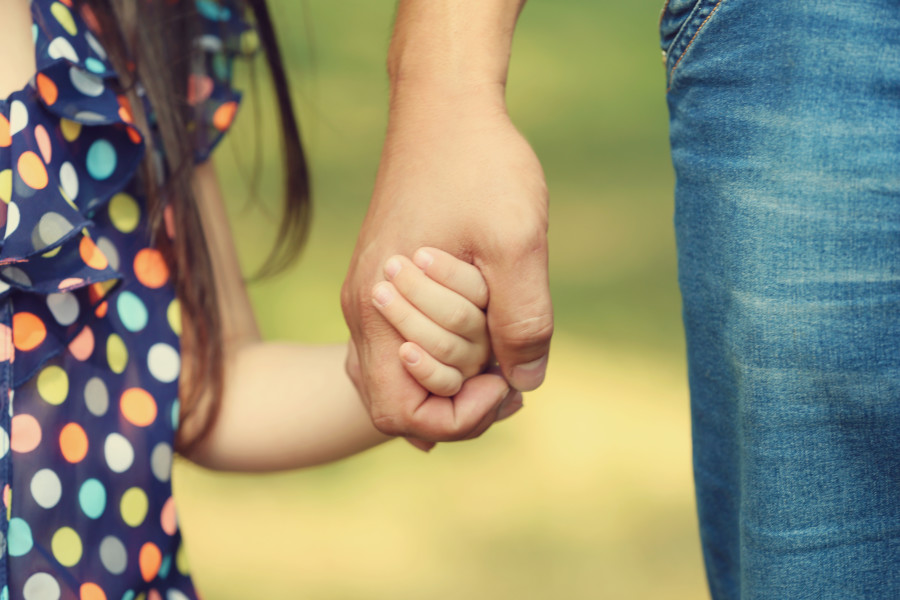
[(153, 42)]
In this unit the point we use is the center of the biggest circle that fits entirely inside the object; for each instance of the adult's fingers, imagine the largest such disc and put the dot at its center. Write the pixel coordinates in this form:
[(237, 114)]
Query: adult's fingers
[(520, 313)]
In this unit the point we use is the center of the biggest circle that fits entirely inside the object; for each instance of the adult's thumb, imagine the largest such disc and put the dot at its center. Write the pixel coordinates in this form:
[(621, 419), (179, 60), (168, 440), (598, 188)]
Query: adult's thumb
[(520, 316)]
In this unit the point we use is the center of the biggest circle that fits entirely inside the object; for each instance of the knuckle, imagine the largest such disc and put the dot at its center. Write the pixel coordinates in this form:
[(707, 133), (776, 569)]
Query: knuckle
[(527, 333)]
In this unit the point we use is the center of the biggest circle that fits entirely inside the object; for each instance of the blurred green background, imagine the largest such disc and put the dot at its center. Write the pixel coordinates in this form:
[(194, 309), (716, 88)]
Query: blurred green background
[(586, 493)]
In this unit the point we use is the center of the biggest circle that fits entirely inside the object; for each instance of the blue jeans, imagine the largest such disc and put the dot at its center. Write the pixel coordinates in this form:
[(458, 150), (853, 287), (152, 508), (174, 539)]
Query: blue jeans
[(785, 132)]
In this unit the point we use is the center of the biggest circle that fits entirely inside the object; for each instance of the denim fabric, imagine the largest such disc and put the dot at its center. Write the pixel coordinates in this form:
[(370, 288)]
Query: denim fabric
[(785, 132)]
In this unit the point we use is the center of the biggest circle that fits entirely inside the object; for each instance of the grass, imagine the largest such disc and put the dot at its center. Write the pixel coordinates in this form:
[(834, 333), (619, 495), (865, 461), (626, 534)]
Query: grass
[(587, 492)]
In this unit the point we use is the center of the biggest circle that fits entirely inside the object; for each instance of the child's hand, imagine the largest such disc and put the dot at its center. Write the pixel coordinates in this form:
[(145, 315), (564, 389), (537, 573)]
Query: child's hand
[(438, 305)]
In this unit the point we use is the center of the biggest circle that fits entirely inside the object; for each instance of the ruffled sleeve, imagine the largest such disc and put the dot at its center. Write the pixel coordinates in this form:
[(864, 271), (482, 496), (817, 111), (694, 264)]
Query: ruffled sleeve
[(67, 147), (227, 36)]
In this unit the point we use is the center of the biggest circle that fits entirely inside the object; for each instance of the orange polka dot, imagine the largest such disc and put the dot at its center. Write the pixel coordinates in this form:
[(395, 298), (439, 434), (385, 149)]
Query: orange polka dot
[(26, 433), (92, 591), (138, 406), (47, 89), (125, 109), (101, 309), (155, 595), (6, 347), (28, 331), (150, 268), (5, 137), (32, 170), (150, 559), (168, 518), (91, 254), (82, 346), (67, 3), (134, 135), (73, 442), (43, 141), (224, 115)]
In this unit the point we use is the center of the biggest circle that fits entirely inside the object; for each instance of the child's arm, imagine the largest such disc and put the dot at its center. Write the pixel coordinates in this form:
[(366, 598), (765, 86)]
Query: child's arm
[(437, 305), (285, 405)]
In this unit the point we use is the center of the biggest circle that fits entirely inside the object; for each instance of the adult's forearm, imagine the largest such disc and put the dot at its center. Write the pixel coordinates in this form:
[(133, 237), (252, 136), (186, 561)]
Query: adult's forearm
[(452, 44)]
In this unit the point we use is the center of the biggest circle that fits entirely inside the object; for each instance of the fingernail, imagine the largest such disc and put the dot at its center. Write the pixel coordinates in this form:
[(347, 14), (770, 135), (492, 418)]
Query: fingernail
[(392, 267), (410, 355), (383, 294), (529, 376), (422, 259)]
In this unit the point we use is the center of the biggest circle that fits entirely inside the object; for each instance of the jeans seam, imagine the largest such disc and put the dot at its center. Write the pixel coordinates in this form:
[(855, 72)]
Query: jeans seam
[(690, 43)]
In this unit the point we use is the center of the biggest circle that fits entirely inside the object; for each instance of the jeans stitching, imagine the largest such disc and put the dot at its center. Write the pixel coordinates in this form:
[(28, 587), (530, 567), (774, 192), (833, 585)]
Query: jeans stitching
[(694, 37)]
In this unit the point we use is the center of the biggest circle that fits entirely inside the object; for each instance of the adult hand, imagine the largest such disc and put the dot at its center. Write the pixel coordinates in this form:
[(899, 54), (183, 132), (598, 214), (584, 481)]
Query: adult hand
[(455, 174)]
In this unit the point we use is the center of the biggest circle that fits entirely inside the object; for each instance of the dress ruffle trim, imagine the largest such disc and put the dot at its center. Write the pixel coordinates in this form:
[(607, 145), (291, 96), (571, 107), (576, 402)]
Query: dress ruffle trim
[(67, 146)]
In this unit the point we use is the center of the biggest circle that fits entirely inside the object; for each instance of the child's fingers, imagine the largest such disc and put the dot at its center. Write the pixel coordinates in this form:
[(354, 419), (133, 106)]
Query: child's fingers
[(450, 310), (445, 346), (458, 275), (433, 375)]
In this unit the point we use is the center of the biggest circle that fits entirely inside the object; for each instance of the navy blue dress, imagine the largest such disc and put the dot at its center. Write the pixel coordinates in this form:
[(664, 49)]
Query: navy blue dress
[(89, 322)]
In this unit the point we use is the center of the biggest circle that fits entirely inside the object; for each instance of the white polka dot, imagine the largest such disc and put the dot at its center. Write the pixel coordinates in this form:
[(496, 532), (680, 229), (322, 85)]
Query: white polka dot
[(175, 595), (4, 442), (161, 461), (210, 43), (17, 275), (119, 453), (68, 179), (96, 397), (86, 83), (113, 555), (41, 586), (64, 308), (87, 116), (18, 117), (95, 45), (12, 218), (46, 488), (163, 362), (109, 250), (50, 229), (61, 48)]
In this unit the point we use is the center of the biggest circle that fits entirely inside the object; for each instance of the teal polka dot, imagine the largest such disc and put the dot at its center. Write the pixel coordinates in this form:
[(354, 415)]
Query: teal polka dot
[(34, 32), (94, 65), (176, 411), (101, 160), (129, 595), (165, 567), (92, 498), (220, 67), (132, 311), (212, 11), (4, 594), (19, 537)]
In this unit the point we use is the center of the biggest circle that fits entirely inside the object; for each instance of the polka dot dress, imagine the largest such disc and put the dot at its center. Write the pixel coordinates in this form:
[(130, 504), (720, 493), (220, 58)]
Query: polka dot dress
[(89, 323)]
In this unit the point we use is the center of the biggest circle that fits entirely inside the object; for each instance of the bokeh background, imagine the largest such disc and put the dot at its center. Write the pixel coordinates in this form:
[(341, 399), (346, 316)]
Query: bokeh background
[(587, 492)]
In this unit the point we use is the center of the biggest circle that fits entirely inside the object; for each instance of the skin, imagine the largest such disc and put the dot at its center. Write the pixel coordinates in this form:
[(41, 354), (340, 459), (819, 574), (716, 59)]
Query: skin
[(456, 175)]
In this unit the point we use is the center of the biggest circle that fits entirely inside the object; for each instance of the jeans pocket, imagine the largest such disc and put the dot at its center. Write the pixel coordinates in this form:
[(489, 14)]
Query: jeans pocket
[(679, 25)]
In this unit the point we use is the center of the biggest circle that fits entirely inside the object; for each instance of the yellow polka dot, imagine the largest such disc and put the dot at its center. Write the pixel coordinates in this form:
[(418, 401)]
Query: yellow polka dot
[(66, 546), (64, 16), (52, 253), (173, 314), (181, 561), (116, 353), (70, 129), (134, 506), (249, 41), (124, 212), (6, 185), (53, 385)]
